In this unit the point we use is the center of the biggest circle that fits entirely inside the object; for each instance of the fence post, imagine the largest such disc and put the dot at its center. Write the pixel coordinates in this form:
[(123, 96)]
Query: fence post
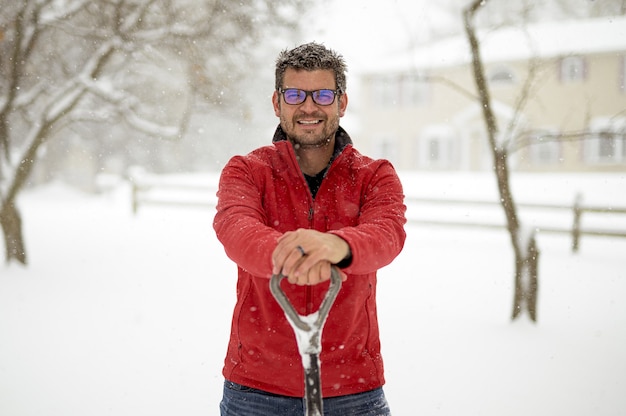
[(578, 212), (135, 196)]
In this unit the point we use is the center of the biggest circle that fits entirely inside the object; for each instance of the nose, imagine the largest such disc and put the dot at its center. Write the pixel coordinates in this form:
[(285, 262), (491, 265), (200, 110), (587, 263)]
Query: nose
[(308, 104)]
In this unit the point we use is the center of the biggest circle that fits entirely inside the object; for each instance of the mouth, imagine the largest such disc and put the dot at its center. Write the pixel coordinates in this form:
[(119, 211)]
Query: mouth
[(309, 122)]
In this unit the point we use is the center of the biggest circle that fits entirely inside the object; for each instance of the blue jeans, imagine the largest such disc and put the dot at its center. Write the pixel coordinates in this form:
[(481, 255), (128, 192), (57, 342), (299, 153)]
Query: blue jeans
[(240, 400)]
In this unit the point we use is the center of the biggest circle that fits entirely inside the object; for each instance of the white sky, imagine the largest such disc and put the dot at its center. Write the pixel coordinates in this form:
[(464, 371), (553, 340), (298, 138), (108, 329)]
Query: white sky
[(365, 29), (371, 33)]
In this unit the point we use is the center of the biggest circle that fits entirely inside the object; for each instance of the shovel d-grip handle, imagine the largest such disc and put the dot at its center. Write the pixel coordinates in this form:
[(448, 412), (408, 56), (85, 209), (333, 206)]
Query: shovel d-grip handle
[(290, 311), (308, 330)]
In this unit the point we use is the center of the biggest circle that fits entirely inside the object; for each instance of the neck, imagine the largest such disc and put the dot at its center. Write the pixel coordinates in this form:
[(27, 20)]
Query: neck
[(312, 160)]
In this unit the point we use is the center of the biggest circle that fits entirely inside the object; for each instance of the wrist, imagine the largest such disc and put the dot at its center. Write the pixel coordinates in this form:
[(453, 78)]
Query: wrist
[(346, 261)]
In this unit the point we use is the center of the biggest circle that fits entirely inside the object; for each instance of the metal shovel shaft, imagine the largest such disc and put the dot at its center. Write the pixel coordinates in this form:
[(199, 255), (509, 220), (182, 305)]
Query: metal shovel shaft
[(313, 330), (313, 403)]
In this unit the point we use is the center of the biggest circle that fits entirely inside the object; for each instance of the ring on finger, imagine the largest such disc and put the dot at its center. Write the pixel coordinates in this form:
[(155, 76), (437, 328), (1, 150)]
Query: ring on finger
[(301, 250)]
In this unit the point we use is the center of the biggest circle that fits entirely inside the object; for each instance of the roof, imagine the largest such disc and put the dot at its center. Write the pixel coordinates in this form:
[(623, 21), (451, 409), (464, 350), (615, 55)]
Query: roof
[(544, 40)]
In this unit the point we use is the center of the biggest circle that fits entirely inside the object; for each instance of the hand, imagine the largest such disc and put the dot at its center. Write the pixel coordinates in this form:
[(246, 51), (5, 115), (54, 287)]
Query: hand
[(305, 256), (318, 273)]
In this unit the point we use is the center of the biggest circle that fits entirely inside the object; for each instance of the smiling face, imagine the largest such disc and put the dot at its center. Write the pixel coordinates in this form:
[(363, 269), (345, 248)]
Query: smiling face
[(309, 125)]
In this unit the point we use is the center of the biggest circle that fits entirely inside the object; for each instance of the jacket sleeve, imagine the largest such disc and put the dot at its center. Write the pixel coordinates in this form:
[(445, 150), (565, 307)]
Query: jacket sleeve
[(379, 235), (240, 223)]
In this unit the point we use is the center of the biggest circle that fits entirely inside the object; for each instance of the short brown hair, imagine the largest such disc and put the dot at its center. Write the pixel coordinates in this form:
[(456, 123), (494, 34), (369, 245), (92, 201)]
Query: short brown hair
[(310, 57)]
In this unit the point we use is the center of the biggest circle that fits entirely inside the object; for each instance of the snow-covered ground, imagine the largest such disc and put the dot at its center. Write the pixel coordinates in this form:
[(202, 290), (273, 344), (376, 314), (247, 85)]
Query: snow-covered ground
[(129, 315)]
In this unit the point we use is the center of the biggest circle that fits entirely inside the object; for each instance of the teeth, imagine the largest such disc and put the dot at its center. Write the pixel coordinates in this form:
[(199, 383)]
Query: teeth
[(308, 122)]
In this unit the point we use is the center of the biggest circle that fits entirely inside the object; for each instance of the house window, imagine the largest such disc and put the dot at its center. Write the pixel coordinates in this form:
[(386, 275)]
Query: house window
[(572, 69), (502, 76), (405, 91), (606, 146), (413, 91), (385, 149), (385, 91), (544, 149), (436, 149)]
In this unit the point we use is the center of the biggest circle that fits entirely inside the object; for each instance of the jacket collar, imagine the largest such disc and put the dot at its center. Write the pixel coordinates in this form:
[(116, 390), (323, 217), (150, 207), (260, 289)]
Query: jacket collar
[(342, 139)]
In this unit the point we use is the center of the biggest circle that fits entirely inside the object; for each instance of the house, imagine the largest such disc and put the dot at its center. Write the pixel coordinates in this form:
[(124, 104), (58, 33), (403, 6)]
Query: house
[(421, 111)]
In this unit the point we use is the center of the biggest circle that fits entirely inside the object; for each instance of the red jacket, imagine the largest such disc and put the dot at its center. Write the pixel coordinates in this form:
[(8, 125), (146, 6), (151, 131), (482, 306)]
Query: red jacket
[(264, 194)]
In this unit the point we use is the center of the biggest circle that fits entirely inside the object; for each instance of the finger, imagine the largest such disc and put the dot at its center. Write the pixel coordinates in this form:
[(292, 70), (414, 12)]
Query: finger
[(312, 276), (292, 263), (319, 273), (292, 279), (324, 272), (309, 261), (278, 259), (302, 280), (281, 253), (286, 244)]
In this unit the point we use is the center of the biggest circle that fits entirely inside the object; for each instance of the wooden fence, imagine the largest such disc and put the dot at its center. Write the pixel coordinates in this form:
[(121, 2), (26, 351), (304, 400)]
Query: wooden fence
[(574, 211), (563, 219), (172, 194)]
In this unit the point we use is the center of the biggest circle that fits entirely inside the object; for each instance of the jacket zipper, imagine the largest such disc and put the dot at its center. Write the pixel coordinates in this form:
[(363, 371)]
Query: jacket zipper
[(308, 290), (307, 299), (307, 293)]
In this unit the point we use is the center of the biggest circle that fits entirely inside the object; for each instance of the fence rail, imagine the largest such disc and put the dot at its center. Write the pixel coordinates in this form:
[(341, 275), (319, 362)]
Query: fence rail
[(172, 194), (577, 209), (153, 191)]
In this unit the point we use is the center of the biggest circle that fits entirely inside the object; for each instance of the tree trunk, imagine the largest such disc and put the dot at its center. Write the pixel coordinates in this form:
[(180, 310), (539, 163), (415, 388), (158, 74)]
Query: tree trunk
[(12, 230), (526, 257), (10, 218), (526, 282)]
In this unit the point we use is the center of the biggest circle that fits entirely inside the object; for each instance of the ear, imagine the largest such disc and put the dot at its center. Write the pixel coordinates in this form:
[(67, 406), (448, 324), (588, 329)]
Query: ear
[(343, 104), (276, 103)]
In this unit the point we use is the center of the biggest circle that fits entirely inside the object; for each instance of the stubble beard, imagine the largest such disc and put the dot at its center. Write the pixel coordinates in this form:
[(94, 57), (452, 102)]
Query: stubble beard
[(311, 140)]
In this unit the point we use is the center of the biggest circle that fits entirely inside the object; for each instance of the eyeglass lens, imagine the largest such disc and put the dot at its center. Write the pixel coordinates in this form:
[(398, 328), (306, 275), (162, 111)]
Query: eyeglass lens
[(295, 96)]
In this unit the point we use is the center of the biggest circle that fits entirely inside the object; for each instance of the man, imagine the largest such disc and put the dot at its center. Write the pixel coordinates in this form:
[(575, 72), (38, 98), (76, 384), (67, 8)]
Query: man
[(305, 204)]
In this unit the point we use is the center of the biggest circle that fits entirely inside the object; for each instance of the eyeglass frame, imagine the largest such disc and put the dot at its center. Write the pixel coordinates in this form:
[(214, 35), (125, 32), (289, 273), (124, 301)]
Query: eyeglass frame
[(336, 92)]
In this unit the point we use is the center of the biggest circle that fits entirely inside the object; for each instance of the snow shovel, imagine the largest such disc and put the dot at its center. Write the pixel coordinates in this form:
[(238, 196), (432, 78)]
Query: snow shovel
[(308, 331)]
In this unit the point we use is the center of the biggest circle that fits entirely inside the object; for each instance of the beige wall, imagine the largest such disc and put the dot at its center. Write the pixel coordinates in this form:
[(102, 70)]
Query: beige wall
[(552, 104)]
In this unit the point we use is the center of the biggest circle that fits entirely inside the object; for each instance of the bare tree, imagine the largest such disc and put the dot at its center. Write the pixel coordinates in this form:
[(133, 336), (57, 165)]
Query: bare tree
[(523, 241), (506, 12), (505, 143), (77, 61)]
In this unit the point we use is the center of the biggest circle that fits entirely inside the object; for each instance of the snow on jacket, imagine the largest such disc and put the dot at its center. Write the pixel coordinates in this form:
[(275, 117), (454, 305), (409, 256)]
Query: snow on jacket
[(261, 196)]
